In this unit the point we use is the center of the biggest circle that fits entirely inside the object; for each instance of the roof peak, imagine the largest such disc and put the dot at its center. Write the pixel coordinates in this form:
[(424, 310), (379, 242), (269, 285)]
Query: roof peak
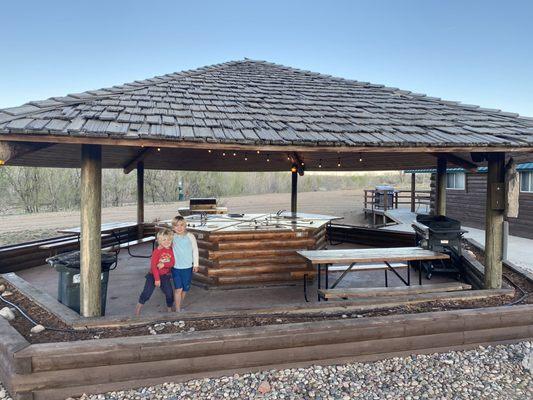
[(38, 106)]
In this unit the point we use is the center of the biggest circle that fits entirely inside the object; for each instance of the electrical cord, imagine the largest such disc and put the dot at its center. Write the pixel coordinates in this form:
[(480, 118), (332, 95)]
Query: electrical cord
[(21, 311), (524, 296)]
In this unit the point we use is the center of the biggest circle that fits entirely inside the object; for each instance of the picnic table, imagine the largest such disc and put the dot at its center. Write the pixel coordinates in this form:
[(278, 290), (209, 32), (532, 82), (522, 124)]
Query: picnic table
[(111, 229), (387, 259)]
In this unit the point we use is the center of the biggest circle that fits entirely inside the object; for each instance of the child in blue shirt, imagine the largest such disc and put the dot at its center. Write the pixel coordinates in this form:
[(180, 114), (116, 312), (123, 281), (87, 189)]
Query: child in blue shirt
[(186, 258)]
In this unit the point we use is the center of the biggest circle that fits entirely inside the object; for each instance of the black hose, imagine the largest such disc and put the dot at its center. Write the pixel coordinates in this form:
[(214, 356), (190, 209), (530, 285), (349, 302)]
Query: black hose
[(49, 328), (524, 296)]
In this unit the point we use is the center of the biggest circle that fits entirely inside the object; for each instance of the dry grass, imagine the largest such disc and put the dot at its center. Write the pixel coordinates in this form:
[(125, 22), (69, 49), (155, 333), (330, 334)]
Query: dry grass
[(342, 203)]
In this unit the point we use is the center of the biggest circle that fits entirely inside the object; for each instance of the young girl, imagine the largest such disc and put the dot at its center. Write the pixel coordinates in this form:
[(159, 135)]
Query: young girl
[(186, 255), (159, 276)]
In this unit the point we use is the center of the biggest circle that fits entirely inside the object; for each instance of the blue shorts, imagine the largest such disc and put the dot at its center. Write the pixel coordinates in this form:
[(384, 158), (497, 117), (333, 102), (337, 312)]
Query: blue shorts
[(182, 278)]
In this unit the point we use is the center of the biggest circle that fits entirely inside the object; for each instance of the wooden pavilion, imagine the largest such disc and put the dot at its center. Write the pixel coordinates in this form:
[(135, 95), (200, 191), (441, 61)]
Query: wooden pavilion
[(258, 116)]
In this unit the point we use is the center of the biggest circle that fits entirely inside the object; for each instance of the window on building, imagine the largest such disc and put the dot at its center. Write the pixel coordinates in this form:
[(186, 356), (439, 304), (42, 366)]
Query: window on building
[(455, 180), (526, 181)]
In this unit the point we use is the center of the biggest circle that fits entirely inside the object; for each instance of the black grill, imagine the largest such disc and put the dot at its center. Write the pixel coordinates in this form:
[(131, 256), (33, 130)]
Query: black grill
[(441, 234)]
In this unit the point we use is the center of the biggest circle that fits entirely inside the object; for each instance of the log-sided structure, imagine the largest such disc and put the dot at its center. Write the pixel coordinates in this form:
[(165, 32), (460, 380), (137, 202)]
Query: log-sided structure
[(255, 116), (466, 197)]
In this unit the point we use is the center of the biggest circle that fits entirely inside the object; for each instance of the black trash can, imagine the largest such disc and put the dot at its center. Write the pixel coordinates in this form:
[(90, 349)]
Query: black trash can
[(68, 285)]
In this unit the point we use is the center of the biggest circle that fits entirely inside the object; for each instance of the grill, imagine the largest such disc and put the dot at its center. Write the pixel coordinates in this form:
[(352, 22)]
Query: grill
[(441, 234)]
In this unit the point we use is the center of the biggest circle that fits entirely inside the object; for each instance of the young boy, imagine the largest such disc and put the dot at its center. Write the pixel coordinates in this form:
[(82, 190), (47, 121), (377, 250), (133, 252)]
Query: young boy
[(159, 276), (186, 255)]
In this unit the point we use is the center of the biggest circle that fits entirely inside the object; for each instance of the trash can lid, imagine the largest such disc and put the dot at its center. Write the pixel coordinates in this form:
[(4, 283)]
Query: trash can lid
[(71, 259)]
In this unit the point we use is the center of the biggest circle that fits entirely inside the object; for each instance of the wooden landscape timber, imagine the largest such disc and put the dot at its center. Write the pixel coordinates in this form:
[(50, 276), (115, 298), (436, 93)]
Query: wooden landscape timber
[(59, 370)]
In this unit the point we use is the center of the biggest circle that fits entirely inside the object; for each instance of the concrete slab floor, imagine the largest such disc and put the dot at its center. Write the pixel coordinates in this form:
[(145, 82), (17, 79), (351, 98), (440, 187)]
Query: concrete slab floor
[(127, 280)]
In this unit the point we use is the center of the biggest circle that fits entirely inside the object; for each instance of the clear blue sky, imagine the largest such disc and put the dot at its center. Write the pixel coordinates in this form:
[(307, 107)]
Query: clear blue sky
[(478, 52)]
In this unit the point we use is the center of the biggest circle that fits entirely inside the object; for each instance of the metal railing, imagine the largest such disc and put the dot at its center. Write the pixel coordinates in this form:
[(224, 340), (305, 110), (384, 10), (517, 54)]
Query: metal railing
[(384, 200)]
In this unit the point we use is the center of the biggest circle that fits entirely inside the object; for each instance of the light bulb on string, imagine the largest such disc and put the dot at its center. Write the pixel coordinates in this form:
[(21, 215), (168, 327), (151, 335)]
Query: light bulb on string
[(268, 157), (339, 163), (320, 164), (360, 158), (209, 151), (245, 157), (223, 154)]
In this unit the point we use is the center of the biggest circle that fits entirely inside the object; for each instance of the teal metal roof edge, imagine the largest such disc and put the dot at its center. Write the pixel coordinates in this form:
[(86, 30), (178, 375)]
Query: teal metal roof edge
[(519, 167)]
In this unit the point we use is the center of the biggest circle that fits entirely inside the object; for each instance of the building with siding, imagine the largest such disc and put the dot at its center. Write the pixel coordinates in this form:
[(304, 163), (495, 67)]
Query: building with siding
[(466, 197)]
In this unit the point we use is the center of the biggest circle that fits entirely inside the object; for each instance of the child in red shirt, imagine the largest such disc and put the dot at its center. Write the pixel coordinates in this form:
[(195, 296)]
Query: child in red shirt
[(160, 271)]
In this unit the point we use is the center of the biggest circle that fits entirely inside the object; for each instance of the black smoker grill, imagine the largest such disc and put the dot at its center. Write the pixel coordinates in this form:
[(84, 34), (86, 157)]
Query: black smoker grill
[(441, 234)]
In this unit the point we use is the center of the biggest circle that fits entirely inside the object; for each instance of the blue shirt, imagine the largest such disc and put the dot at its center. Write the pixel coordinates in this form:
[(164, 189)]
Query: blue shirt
[(182, 247)]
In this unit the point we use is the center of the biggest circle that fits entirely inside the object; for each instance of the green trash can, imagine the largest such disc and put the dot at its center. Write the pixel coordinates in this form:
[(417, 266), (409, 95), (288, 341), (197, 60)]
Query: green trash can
[(68, 284)]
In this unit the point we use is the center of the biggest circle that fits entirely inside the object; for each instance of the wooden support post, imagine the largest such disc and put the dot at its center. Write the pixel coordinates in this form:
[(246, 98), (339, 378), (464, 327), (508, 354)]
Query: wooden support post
[(294, 192), (91, 218), (440, 207), (494, 220), (413, 191), (140, 198)]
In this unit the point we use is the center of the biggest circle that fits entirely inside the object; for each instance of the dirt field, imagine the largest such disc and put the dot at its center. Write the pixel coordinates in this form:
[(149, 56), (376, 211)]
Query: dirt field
[(343, 203)]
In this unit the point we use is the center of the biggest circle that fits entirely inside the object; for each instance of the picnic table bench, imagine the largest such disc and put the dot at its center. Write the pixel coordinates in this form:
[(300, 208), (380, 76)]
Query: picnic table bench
[(387, 259)]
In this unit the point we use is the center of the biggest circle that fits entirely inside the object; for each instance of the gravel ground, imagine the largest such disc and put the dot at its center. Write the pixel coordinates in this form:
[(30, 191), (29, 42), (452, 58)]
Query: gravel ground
[(494, 372)]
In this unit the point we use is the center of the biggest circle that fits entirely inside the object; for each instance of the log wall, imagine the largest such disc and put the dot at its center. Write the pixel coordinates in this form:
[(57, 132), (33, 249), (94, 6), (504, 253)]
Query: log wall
[(28, 255), (233, 259), (468, 206)]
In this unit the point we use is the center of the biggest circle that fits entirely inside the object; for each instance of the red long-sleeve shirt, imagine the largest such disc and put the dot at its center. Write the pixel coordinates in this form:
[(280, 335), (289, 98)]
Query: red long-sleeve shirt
[(166, 256)]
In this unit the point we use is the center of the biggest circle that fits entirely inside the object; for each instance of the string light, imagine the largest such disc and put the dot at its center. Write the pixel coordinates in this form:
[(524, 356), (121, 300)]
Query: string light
[(302, 164), (360, 158), (223, 154), (234, 154), (268, 157), (209, 151), (339, 163), (320, 164), (258, 151), (245, 157), (159, 149)]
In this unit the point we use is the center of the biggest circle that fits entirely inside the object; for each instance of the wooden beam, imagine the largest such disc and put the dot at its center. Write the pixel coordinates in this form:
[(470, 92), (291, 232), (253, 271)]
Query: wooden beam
[(91, 217), (11, 150), (132, 164), (458, 161), (494, 220), (440, 206), (413, 191), (140, 197), (384, 148), (294, 191)]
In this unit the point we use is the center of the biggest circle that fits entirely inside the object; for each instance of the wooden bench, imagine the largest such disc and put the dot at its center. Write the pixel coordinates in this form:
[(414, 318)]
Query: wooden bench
[(365, 293), (127, 245)]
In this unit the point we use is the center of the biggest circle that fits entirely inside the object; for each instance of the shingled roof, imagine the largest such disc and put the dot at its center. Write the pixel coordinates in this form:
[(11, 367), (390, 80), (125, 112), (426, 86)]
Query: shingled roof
[(257, 103)]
